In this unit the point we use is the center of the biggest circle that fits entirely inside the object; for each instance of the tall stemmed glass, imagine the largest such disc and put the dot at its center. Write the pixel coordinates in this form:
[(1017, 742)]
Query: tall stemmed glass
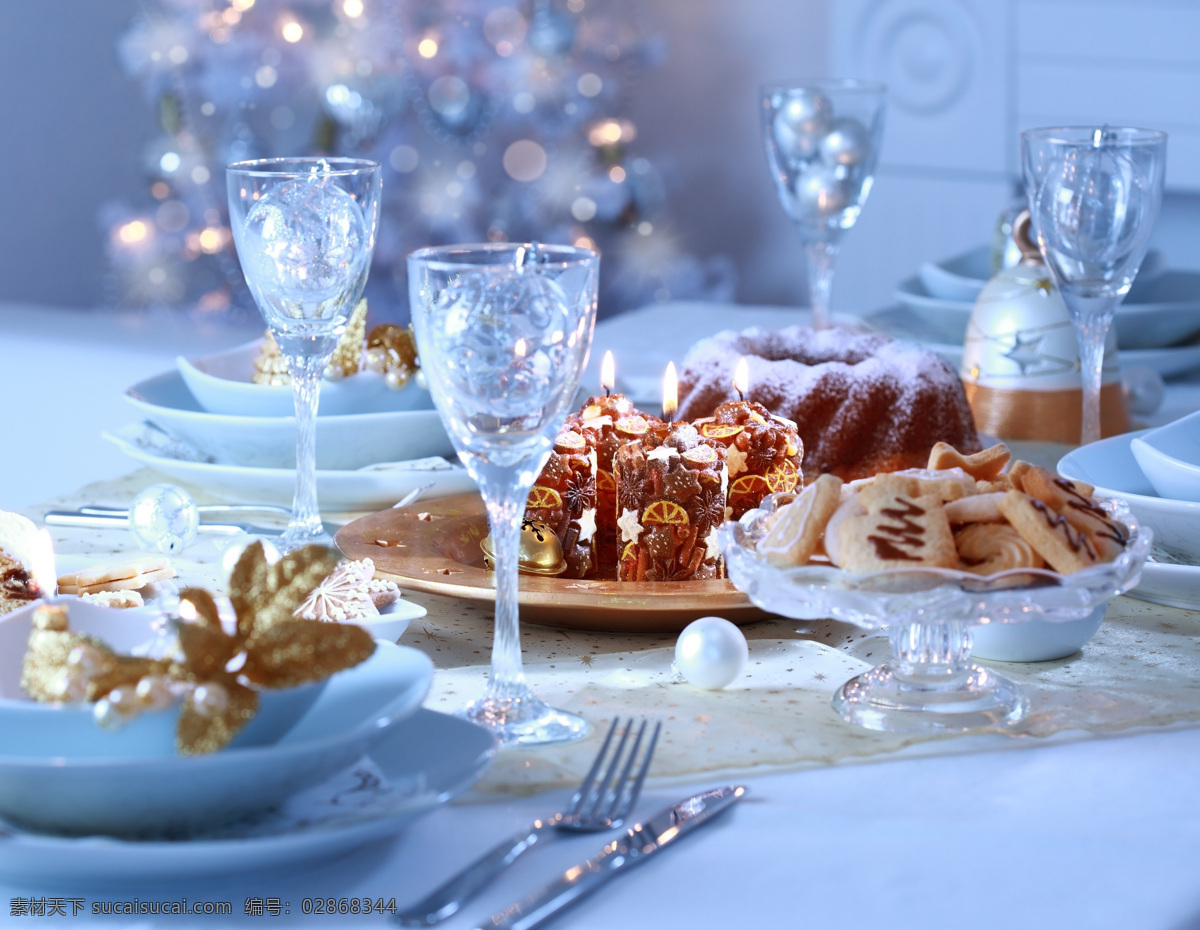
[(305, 231), (1094, 194), (822, 140), (503, 331)]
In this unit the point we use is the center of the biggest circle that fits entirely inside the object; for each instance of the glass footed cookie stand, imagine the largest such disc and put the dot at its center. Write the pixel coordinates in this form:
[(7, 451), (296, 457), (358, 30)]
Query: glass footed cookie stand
[(928, 684)]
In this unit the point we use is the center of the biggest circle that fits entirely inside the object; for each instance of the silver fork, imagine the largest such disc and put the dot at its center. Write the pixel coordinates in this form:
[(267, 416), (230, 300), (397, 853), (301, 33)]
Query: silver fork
[(598, 804)]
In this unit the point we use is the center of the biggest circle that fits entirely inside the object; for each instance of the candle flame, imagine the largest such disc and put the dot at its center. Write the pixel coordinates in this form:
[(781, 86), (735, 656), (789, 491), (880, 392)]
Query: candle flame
[(187, 611), (41, 564), (519, 348), (670, 393), (741, 377), (608, 372)]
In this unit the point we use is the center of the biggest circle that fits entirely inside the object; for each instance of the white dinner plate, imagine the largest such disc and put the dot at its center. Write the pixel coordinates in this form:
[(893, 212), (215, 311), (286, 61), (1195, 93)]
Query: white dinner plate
[(370, 488), (904, 323), (1109, 465), (348, 441), (221, 383), (424, 761), (1165, 312)]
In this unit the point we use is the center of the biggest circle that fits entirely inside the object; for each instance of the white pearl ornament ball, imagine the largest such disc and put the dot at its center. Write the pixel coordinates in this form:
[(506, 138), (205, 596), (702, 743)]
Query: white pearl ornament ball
[(164, 518), (847, 143), (800, 123), (820, 191), (711, 652)]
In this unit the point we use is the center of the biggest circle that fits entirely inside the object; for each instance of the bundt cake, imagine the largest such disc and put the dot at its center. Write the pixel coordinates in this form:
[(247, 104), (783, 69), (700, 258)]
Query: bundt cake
[(863, 403)]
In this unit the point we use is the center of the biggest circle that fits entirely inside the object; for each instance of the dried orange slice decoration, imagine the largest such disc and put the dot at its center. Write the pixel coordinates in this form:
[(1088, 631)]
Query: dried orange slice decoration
[(782, 477), (665, 512), (633, 425), (701, 455), (749, 484), (605, 481), (630, 552), (543, 498), (569, 441), (720, 430)]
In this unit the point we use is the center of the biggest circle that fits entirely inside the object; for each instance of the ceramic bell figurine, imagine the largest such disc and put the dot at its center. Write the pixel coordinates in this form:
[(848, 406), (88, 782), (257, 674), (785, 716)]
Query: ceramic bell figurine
[(1020, 364)]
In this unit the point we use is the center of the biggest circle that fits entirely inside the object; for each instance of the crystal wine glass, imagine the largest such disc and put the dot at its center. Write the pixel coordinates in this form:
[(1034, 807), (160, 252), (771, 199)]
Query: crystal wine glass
[(503, 331), (1094, 194), (305, 231), (822, 140)]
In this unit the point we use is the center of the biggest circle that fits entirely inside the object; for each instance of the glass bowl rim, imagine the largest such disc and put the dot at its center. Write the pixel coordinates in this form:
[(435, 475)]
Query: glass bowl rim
[(340, 166), (1084, 136)]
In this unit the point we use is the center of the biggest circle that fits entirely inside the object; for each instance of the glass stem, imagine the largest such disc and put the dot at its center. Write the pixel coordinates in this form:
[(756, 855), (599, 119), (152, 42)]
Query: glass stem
[(306, 372), (1091, 332), (819, 258), (506, 507), (930, 649)]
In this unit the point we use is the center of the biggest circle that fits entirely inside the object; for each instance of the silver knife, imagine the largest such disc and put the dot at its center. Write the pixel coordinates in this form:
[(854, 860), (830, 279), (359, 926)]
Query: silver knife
[(638, 844)]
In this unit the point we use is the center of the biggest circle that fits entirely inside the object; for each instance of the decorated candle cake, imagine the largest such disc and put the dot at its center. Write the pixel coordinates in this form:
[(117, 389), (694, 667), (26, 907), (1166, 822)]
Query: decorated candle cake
[(564, 498)]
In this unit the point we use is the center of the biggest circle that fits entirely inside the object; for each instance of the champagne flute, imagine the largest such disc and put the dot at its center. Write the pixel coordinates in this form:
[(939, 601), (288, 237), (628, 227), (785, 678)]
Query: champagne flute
[(503, 331), (1094, 194), (305, 229), (822, 140)]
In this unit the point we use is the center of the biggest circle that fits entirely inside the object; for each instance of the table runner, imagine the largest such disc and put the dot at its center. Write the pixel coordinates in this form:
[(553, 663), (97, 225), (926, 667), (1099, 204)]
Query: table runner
[(1141, 670)]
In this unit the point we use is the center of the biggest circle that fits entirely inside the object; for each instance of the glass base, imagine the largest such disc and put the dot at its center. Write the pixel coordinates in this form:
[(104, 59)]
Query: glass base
[(525, 721), (297, 536), (972, 697)]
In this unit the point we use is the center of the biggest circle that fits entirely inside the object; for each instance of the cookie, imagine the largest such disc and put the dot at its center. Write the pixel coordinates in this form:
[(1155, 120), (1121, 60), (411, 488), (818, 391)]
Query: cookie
[(986, 549), (984, 465), (851, 506), (978, 508), (901, 532), (946, 484), (1074, 501), (121, 576), (1065, 548), (119, 599), (796, 528)]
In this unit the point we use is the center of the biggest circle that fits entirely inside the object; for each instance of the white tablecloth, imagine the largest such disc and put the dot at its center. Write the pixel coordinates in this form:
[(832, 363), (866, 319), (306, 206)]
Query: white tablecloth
[(1096, 833)]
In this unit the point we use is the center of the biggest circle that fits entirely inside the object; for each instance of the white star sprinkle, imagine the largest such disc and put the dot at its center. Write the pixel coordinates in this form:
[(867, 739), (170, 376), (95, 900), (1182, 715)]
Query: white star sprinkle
[(587, 524), (735, 459), (663, 453), (711, 549), (631, 529)]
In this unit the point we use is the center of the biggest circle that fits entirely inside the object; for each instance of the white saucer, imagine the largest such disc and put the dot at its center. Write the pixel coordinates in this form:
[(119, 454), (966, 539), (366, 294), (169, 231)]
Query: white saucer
[(349, 441), (1164, 312), (1109, 465), (370, 488), (425, 761), (904, 323)]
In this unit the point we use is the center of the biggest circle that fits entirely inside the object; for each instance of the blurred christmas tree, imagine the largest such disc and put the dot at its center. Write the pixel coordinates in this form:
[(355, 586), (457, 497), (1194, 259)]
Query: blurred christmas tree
[(493, 119)]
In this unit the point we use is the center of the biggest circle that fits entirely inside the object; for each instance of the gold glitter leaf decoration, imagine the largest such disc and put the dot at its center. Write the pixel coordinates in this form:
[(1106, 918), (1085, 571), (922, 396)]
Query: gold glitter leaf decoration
[(204, 729), (206, 652), (296, 651), (122, 672), (264, 595), (50, 642), (206, 607)]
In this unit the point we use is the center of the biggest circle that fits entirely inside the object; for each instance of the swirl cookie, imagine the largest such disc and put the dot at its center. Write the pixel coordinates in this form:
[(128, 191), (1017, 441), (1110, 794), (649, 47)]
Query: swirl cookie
[(985, 549)]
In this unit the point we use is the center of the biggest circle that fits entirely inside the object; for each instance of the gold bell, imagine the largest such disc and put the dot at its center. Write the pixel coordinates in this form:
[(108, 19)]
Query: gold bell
[(540, 552)]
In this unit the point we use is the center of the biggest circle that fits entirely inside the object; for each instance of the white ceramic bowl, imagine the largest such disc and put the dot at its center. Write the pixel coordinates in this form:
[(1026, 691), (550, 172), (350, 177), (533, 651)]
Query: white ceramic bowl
[(393, 619), (959, 278), (1169, 457), (34, 729), (171, 795), (1034, 640), (1109, 465), (221, 383), (343, 442)]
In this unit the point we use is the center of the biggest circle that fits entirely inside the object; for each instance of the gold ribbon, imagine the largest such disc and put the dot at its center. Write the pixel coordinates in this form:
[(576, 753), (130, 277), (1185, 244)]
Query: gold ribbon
[(1044, 416)]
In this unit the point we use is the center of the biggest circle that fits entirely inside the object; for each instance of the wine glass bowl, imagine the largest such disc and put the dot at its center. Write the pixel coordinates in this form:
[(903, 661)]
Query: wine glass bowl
[(1094, 195), (503, 332), (822, 141), (305, 230)]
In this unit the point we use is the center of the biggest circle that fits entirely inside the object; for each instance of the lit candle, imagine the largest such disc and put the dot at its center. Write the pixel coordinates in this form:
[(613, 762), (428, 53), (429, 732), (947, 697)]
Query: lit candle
[(671, 493), (763, 452), (608, 373)]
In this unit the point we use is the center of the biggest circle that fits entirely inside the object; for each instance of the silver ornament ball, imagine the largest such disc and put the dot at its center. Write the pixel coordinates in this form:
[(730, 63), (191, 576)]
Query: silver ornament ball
[(800, 122), (847, 143), (164, 518), (820, 191), (711, 652)]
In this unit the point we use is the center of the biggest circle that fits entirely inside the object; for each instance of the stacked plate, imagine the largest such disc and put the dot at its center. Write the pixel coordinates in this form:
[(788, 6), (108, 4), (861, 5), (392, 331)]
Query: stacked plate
[(1158, 323), (207, 424), (80, 801)]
